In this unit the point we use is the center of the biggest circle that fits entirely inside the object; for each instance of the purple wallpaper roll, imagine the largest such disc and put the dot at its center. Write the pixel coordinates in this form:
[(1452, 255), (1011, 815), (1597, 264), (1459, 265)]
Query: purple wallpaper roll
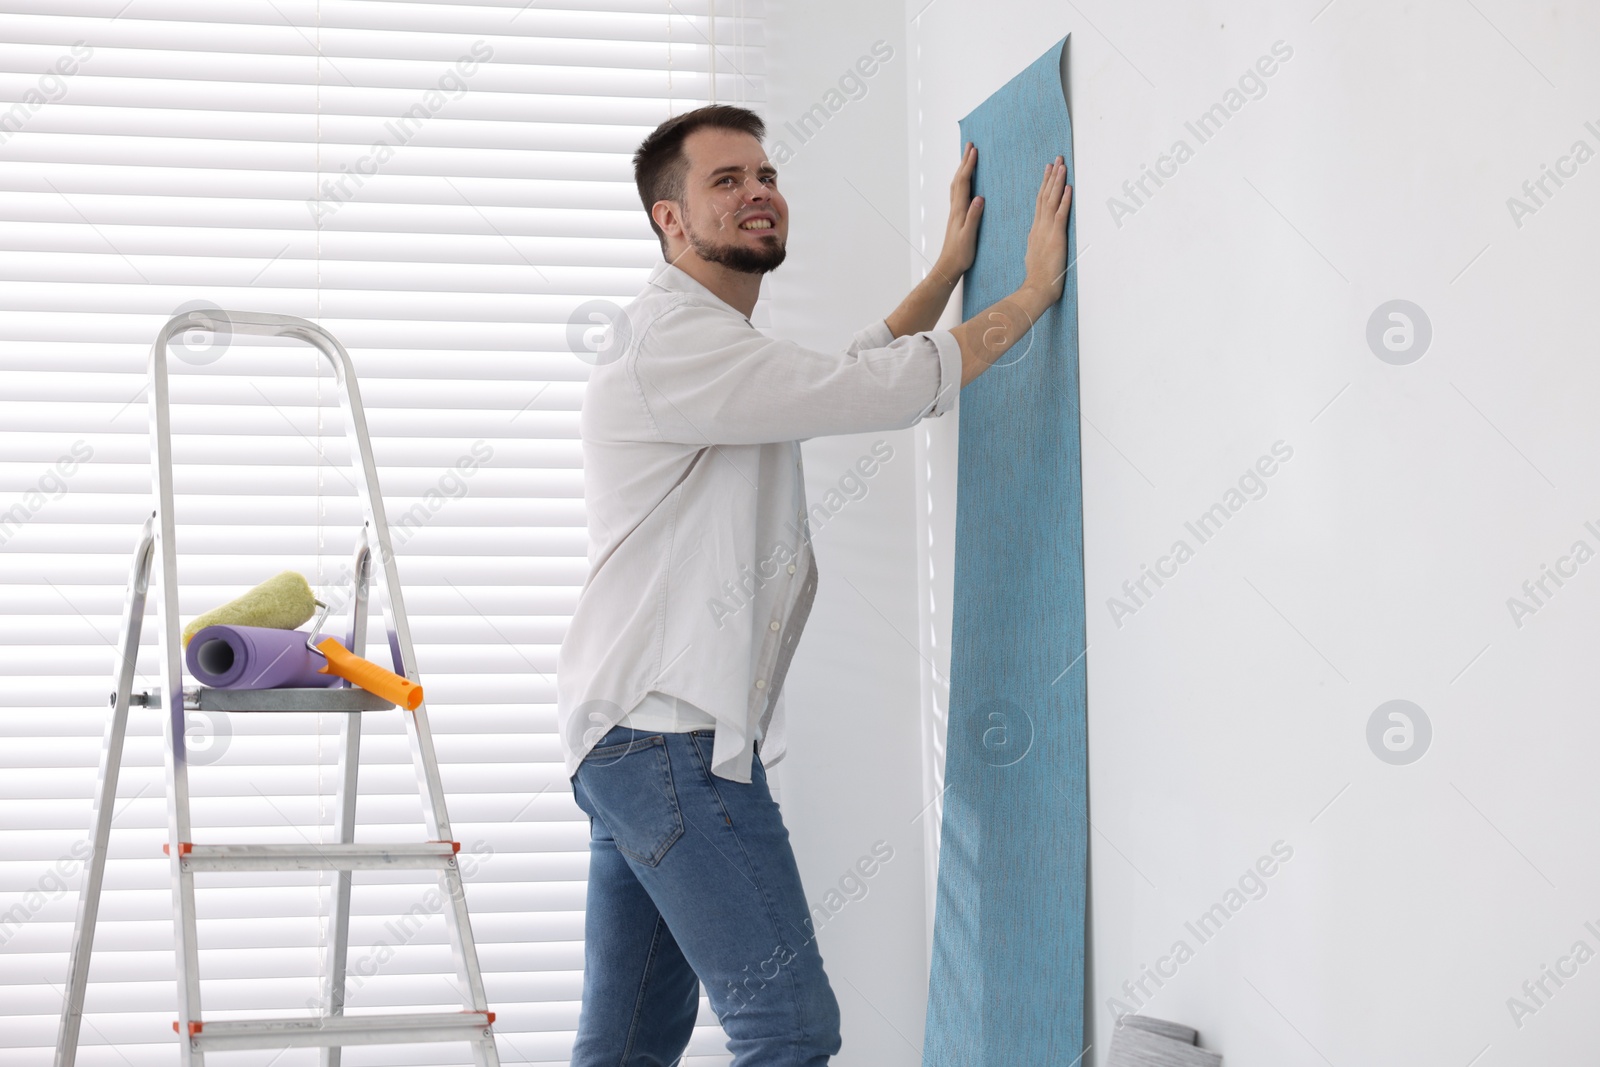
[(255, 657)]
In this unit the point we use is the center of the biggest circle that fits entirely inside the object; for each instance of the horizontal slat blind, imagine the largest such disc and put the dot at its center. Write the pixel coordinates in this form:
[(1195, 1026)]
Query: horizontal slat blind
[(444, 219)]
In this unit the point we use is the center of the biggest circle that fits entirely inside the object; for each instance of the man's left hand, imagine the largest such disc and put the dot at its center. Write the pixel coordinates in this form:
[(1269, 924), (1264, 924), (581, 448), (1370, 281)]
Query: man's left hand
[(961, 232)]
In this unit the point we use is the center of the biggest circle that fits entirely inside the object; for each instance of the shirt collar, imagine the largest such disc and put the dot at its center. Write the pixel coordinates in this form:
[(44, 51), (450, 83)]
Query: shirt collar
[(678, 280)]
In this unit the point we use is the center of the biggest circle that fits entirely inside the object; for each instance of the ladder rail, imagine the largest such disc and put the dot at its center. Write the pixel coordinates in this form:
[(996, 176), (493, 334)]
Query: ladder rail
[(419, 733), (105, 800), (175, 715), (345, 828)]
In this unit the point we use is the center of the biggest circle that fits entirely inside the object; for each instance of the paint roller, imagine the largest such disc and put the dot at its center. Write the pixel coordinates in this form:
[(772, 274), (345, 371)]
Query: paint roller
[(251, 643), (1141, 1041), (282, 602)]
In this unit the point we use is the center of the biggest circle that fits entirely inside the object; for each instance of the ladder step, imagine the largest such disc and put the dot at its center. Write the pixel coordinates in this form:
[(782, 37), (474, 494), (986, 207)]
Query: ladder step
[(202, 698), (429, 855), (341, 1030)]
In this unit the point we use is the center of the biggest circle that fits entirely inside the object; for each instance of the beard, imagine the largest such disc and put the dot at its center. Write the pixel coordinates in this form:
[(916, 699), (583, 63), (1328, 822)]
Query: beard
[(740, 257)]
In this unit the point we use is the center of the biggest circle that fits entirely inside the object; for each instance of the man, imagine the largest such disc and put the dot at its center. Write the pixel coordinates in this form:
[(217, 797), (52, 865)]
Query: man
[(669, 680)]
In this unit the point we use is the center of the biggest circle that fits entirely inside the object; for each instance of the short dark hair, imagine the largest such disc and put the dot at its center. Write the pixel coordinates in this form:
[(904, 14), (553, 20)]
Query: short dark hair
[(659, 166)]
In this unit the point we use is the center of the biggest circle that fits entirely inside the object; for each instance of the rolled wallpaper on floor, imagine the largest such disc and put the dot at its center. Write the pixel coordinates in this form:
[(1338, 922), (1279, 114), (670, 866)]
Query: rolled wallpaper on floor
[(1008, 958)]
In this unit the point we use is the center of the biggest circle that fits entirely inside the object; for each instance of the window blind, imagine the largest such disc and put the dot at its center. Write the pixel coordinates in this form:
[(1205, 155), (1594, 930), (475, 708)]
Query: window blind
[(442, 186)]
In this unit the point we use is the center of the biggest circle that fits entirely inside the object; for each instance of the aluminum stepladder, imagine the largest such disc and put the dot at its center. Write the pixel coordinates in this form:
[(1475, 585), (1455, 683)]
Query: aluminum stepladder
[(155, 560)]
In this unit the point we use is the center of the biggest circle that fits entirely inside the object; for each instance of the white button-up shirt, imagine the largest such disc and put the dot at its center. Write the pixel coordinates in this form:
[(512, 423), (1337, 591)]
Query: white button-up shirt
[(701, 574)]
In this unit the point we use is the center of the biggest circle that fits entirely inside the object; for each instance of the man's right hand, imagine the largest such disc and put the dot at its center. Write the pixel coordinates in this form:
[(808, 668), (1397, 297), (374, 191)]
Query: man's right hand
[(1046, 259)]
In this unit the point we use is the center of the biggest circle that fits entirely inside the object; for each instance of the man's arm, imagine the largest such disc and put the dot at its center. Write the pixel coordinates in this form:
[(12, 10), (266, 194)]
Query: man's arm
[(920, 310), (988, 335)]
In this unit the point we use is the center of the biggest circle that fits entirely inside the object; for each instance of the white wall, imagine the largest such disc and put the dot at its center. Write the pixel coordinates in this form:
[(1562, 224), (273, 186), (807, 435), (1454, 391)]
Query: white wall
[(853, 776), (1229, 312)]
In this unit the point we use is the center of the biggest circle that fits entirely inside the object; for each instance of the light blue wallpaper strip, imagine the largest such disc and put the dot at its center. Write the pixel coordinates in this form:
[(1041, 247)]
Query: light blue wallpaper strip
[(1008, 961)]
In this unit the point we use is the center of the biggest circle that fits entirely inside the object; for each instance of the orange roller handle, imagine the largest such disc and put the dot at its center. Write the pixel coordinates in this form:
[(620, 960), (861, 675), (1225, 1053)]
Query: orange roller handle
[(368, 675)]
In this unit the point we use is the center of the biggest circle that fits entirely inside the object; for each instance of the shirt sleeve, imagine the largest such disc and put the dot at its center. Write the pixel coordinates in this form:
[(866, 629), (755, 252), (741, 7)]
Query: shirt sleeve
[(706, 377)]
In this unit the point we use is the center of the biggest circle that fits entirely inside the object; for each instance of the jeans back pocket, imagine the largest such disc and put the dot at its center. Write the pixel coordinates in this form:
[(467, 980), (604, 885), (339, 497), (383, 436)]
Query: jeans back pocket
[(630, 787)]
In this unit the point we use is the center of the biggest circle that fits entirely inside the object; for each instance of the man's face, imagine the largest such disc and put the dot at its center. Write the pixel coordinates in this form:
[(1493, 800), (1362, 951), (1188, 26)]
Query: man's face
[(732, 212)]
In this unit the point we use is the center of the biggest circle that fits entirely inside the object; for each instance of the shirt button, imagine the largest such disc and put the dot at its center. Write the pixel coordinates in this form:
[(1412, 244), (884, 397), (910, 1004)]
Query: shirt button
[(774, 625), (791, 568), (761, 683)]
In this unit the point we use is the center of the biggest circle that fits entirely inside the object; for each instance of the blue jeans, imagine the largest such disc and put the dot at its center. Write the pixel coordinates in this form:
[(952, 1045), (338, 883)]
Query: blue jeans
[(691, 880)]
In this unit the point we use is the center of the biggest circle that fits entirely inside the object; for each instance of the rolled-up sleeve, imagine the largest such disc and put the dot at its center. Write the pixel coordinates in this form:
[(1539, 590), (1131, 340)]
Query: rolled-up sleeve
[(706, 377), (944, 342)]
